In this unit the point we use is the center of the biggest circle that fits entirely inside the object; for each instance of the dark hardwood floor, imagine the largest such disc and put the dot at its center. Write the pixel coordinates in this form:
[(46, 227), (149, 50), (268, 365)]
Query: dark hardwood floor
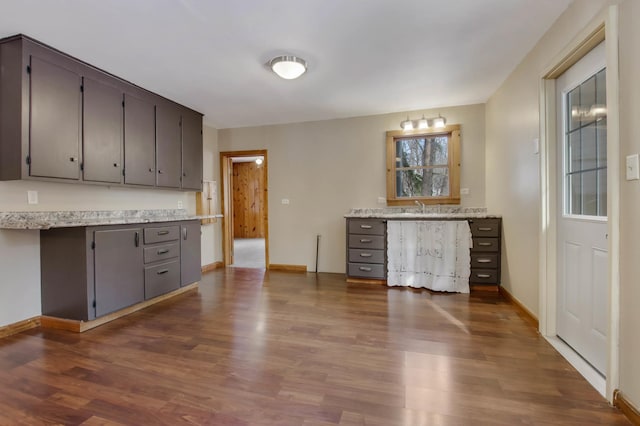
[(295, 349)]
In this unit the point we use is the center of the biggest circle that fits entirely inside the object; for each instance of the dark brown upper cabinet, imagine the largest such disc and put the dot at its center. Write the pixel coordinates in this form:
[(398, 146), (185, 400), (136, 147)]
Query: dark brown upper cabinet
[(168, 144), (191, 150), (64, 120), (102, 131), (139, 140)]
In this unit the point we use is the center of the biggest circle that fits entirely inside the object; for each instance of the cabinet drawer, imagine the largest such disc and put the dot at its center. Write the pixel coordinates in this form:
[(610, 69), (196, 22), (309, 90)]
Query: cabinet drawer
[(165, 251), (367, 226), (366, 241), (485, 244), (367, 270), (161, 279), (366, 256), (485, 227), (161, 234), (483, 276), (485, 261)]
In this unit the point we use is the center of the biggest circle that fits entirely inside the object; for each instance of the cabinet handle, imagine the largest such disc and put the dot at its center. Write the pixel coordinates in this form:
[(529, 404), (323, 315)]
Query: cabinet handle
[(365, 226), (163, 251), (365, 269), (116, 165), (184, 233), (160, 171), (365, 254), (484, 244), (137, 239), (483, 275), (483, 260), (485, 228), (150, 169), (365, 240), (163, 232), (162, 271), (73, 159)]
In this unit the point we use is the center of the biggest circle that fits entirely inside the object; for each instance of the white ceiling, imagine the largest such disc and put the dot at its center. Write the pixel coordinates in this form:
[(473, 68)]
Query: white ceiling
[(365, 56)]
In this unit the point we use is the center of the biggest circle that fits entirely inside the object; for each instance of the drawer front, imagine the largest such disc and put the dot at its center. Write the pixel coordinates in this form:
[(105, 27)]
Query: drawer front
[(367, 226), (161, 279), (484, 261), (485, 244), (485, 227), (483, 276), (165, 251), (161, 234), (366, 256), (366, 241), (367, 270)]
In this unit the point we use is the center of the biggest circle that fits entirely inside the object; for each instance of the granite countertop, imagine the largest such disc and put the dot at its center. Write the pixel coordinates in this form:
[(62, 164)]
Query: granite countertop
[(428, 212), (67, 219)]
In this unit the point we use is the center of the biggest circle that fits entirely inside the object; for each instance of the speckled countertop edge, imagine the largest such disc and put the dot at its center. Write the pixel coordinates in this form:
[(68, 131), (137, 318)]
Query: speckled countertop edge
[(68, 219), (437, 212)]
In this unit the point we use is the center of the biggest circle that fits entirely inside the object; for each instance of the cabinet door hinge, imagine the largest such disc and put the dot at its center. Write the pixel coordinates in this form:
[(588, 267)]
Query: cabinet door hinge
[(28, 69), (82, 166), (93, 246), (28, 160), (94, 303), (123, 172), (82, 88), (122, 104)]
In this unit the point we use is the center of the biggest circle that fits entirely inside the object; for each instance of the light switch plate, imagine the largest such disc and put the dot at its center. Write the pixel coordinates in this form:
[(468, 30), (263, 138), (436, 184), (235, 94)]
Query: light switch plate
[(179, 204), (464, 191), (32, 197), (536, 146), (382, 200), (633, 167), (285, 201)]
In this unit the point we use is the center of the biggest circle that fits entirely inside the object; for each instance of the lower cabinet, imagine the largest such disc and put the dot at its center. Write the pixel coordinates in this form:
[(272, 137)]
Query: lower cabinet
[(89, 272)]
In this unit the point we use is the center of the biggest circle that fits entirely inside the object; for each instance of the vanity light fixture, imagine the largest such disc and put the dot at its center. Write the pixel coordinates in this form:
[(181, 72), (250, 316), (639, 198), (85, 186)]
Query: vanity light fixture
[(288, 67), (438, 122)]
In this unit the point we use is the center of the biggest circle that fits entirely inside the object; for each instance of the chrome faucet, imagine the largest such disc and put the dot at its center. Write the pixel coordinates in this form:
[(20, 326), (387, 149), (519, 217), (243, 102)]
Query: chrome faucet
[(423, 207)]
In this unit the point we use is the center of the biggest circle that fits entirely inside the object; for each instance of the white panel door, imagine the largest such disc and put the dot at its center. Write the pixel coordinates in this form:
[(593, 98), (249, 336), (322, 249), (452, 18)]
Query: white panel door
[(582, 209)]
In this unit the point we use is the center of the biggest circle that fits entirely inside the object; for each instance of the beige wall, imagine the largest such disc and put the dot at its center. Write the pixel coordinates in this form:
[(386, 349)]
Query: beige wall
[(211, 233), (629, 202), (513, 174), (327, 167)]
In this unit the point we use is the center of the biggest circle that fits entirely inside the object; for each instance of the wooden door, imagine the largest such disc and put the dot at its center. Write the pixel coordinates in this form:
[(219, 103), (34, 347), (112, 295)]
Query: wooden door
[(119, 274), (248, 200), (102, 129), (55, 116), (139, 141)]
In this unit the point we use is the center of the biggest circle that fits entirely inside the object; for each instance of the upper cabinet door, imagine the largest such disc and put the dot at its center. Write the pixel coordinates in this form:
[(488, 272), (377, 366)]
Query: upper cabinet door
[(103, 132), (55, 116), (191, 150), (139, 141), (168, 145)]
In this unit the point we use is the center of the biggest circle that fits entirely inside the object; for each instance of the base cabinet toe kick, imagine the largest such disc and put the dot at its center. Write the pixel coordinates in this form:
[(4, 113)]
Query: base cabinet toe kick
[(367, 249), (90, 272)]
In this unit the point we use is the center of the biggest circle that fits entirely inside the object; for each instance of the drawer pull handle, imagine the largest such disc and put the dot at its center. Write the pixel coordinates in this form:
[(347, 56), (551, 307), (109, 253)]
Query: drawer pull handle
[(365, 226), (365, 255), (365, 240), (365, 269), (483, 260), (163, 232), (485, 229), (162, 271), (163, 251), (484, 244), (483, 275)]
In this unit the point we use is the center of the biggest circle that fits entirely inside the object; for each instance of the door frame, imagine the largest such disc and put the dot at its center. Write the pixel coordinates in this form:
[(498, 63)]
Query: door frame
[(603, 27), (226, 180)]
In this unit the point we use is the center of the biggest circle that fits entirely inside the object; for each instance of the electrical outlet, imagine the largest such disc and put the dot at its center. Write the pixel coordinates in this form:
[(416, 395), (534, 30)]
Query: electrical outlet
[(32, 197), (285, 201), (179, 204), (382, 200)]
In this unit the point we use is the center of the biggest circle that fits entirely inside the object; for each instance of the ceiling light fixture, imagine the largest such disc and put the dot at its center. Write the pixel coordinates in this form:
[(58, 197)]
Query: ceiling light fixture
[(288, 67), (438, 122)]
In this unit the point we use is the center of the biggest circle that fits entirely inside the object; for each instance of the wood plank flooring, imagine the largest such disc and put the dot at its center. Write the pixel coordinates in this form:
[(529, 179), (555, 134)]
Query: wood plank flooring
[(265, 348)]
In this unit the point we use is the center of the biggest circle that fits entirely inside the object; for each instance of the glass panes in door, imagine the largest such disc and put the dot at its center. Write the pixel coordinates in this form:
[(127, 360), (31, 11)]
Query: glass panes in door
[(585, 153)]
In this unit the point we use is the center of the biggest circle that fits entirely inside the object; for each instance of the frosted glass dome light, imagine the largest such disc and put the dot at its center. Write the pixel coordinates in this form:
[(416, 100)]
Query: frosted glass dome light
[(288, 67)]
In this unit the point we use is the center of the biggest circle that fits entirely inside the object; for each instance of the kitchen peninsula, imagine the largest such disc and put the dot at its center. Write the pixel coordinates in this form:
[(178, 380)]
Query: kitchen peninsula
[(99, 265), (367, 240)]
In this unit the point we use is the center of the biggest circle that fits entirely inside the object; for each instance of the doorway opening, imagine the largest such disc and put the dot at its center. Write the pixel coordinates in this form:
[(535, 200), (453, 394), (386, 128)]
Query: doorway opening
[(245, 230)]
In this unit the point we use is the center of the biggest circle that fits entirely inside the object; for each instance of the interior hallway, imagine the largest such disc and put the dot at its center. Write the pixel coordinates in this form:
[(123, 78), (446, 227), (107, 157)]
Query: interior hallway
[(252, 347), (248, 253)]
